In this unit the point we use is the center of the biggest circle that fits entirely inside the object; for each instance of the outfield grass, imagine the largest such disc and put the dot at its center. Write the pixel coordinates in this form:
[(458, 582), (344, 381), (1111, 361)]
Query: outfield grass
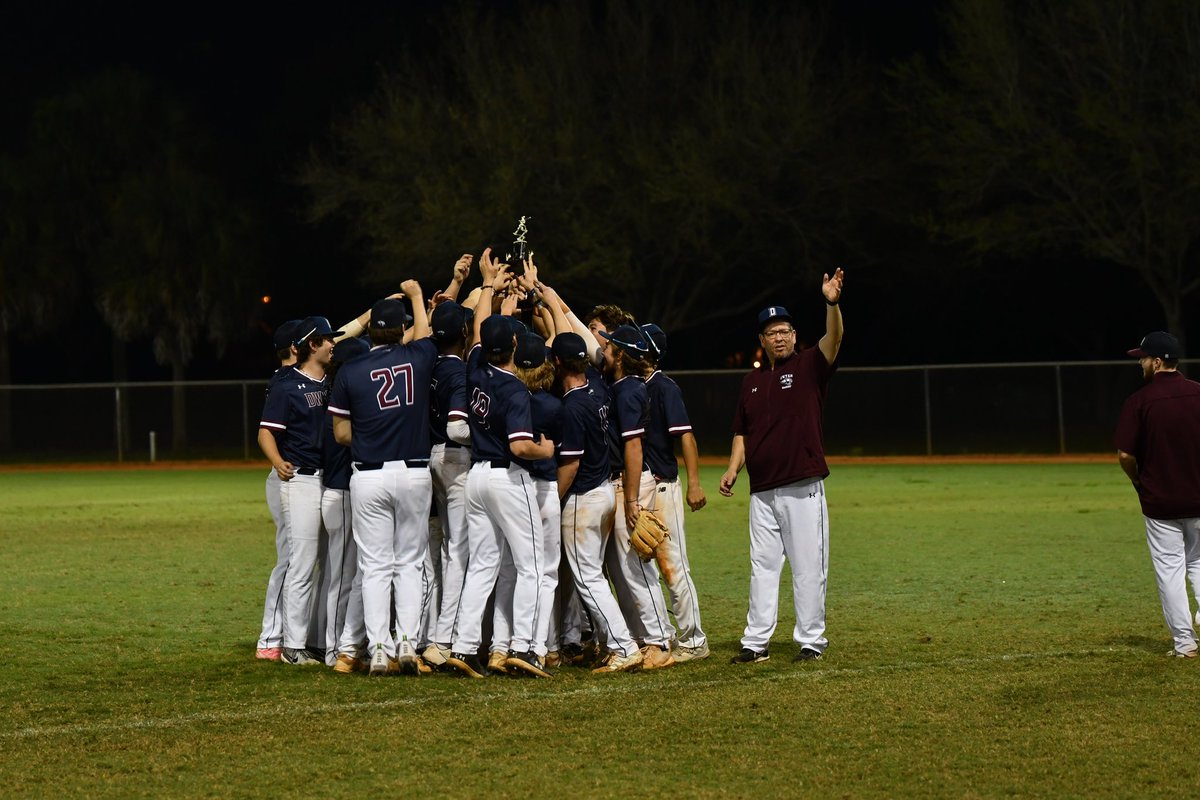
[(994, 631)]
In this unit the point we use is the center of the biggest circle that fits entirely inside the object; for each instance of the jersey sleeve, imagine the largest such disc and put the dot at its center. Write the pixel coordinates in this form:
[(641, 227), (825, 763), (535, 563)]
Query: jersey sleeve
[(339, 398), (574, 422), (1129, 434), (674, 412), (739, 411), (518, 418), (453, 390), (632, 407), (275, 409)]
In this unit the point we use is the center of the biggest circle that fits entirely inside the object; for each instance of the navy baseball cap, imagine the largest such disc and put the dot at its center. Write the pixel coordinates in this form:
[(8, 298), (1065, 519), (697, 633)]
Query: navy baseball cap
[(1158, 344), (285, 333), (657, 338), (349, 349), (531, 351), (628, 337), (389, 313), (496, 334), (568, 347), (313, 326), (772, 314), (448, 320)]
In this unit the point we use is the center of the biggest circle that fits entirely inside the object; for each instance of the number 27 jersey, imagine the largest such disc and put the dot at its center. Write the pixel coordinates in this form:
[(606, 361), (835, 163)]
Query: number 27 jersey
[(385, 395)]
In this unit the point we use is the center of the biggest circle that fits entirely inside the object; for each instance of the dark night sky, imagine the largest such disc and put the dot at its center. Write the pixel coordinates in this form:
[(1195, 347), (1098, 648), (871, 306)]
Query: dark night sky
[(269, 81)]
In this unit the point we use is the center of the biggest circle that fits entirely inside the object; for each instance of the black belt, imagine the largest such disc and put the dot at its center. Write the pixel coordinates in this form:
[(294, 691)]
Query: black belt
[(618, 475), (496, 463), (367, 466), (451, 445), (308, 471)]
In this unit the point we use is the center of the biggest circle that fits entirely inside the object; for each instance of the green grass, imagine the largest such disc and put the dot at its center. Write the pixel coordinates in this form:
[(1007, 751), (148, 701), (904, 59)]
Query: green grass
[(994, 631)]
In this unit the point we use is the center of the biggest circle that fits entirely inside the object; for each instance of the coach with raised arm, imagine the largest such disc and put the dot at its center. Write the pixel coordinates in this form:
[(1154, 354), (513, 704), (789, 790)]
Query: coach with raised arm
[(777, 436)]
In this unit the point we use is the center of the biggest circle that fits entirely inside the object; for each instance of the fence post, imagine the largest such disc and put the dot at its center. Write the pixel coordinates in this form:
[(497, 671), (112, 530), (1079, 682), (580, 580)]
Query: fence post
[(245, 426), (120, 431), (928, 416), (1062, 433)]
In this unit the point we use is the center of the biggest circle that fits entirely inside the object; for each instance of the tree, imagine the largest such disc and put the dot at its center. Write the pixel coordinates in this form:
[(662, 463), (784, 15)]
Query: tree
[(1068, 126), (131, 198), (683, 160)]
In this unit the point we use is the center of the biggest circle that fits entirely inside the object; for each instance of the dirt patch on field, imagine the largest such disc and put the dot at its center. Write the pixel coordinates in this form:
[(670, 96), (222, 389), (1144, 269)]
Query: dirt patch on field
[(708, 461)]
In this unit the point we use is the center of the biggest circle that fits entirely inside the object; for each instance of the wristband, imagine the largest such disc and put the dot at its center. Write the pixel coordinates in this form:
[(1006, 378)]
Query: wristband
[(834, 303), (484, 288)]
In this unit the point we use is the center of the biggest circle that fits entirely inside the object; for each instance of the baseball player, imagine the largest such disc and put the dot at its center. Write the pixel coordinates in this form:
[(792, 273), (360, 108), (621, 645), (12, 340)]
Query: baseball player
[(1158, 447), (449, 463), (777, 437), (500, 496), (343, 593), (625, 353), (589, 501), (380, 405), (668, 422), (270, 640), (290, 437)]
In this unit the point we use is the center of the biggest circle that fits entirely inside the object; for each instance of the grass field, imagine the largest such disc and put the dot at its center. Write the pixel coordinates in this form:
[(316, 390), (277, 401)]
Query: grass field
[(994, 629)]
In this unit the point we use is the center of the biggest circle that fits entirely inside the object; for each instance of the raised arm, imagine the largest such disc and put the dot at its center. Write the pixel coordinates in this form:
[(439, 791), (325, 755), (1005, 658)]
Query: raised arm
[(462, 268), (831, 342), (420, 326)]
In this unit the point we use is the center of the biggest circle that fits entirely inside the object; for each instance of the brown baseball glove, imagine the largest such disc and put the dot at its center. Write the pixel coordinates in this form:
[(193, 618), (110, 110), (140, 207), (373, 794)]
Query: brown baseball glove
[(648, 534)]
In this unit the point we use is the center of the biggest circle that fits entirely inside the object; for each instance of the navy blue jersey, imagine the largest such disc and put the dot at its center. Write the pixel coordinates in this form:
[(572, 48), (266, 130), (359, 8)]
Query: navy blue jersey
[(335, 459), (449, 398), (546, 412), (499, 412), (585, 434), (295, 412), (630, 415), (668, 421), (385, 395)]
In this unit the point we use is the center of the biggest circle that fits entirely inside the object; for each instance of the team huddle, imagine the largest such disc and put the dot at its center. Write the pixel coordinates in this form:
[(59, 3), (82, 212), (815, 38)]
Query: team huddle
[(490, 485)]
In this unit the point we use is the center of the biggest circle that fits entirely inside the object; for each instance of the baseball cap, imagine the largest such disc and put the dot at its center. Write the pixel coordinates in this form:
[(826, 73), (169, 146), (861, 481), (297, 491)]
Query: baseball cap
[(496, 334), (772, 314), (1158, 344), (531, 351), (448, 320), (313, 326), (628, 337), (389, 313), (569, 347), (349, 349), (285, 333), (657, 339)]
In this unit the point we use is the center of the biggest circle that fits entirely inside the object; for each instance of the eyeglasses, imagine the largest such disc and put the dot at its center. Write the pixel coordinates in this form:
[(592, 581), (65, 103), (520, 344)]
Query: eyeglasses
[(778, 334)]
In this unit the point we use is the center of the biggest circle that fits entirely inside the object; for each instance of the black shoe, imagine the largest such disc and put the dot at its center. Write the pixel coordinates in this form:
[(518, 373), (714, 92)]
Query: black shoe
[(748, 656), (468, 664), (571, 653), (527, 663), (807, 654)]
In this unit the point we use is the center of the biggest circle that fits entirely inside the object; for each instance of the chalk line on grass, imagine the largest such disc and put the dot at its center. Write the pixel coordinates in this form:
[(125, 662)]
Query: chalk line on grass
[(609, 685)]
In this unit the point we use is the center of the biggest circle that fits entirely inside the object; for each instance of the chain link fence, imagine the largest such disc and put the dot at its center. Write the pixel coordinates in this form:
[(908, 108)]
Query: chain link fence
[(943, 409)]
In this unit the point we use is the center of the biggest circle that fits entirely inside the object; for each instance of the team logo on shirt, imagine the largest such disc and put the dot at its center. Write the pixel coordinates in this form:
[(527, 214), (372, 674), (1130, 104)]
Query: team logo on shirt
[(786, 380), (315, 399)]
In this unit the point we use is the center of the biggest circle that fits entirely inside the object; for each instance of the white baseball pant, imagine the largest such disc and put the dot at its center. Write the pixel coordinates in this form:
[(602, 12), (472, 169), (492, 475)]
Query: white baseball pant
[(676, 571), (343, 607), (353, 640), (587, 524), (272, 621), (300, 502), (1175, 552), (636, 582), (551, 543), (500, 504), (788, 522), (431, 593), (449, 466), (391, 529)]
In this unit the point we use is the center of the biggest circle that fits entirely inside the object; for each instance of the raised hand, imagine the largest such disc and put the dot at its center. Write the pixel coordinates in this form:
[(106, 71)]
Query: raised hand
[(487, 267), (832, 287), (462, 268)]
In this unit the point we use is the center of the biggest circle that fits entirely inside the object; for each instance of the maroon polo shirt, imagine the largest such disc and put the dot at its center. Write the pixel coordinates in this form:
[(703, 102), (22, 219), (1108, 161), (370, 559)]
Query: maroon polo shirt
[(779, 414), (1160, 427)]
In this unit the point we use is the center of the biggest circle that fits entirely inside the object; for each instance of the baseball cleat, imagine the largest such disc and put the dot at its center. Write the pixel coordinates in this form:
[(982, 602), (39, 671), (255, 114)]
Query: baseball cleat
[(498, 662), (685, 654), (808, 654), (554, 659), (748, 656), (422, 667), (468, 664), (618, 663), (347, 663), (527, 663), (298, 658), (655, 657), (571, 653), (435, 655), (382, 664), (1173, 653), (406, 658), (269, 653)]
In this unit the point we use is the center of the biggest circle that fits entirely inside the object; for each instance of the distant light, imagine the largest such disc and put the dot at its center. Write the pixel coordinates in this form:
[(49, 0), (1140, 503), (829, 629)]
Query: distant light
[(757, 364), (266, 298)]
